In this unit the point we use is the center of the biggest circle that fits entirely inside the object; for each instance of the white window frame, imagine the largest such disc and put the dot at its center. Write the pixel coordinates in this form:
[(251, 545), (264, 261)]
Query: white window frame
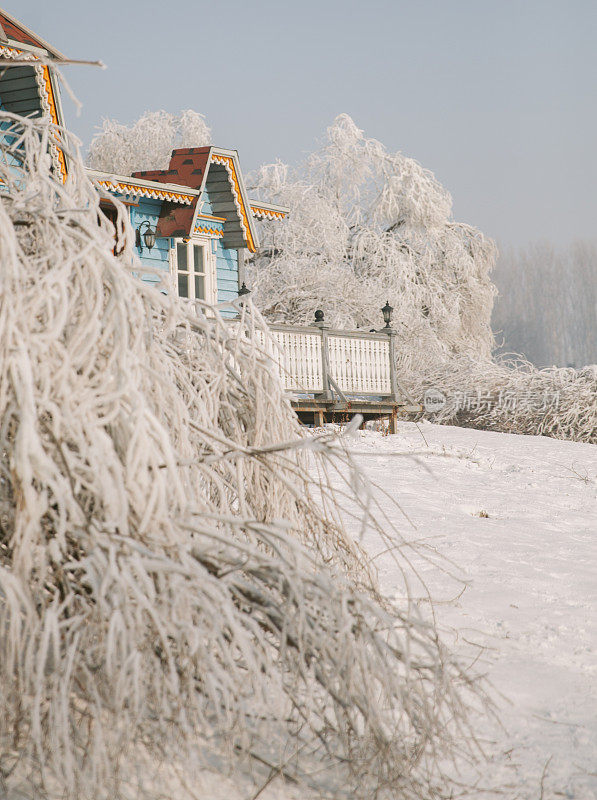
[(210, 277)]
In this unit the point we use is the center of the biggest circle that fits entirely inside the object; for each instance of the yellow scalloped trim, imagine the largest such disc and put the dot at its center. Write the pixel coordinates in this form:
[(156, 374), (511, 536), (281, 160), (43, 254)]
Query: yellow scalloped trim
[(145, 191), (46, 87), (267, 213)]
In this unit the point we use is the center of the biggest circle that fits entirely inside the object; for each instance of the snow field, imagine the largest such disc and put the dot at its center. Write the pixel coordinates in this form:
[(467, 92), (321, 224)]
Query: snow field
[(517, 515)]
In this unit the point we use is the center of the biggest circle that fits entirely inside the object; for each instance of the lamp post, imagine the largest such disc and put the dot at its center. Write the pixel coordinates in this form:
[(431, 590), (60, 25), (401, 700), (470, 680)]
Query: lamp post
[(387, 311), (146, 236)]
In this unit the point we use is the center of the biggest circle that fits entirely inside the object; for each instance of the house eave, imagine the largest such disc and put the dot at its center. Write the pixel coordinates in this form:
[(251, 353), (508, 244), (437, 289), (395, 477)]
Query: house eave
[(268, 211), (124, 184)]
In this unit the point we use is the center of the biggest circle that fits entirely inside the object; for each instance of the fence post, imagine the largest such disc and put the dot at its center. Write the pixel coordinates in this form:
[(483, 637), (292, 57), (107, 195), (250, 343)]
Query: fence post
[(392, 350), (326, 394)]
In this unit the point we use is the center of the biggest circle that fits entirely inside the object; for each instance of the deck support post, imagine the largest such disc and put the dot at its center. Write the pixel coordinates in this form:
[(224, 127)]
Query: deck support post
[(393, 421), (318, 418)]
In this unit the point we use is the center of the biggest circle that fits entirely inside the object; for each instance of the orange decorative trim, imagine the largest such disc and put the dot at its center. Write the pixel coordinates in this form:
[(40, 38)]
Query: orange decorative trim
[(211, 216), (50, 102), (208, 231), (228, 162), (268, 213), (145, 191), (12, 52)]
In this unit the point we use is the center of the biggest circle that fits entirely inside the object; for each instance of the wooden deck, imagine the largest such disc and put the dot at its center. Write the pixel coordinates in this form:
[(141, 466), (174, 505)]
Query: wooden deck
[(331, 375)]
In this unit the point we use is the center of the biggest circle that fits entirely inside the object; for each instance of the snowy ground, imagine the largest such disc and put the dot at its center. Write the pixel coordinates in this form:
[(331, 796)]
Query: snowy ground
[(518, 515)]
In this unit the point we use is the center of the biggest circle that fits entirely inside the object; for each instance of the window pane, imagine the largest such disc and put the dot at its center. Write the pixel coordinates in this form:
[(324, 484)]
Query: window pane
[(199, 288), (183, 285), (181, 256), (198, 261)]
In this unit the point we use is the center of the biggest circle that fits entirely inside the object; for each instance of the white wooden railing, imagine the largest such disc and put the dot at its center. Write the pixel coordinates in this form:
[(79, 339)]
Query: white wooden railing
[(321, 361)]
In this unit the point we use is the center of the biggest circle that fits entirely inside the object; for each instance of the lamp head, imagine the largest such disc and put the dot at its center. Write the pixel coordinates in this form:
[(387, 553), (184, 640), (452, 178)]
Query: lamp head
[(145, 237), (387, 313)]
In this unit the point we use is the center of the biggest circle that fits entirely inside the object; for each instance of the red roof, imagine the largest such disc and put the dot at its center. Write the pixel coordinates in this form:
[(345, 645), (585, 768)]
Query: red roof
[(19, 33), (187, 168)]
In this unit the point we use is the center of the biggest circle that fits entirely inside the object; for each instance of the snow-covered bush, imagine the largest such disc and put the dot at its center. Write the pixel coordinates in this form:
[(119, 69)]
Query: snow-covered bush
[(512, 395), (147, 143), (176, 589)]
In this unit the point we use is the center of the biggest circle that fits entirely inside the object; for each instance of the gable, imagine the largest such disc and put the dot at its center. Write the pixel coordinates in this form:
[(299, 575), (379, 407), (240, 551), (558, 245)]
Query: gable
[(216, 173), (27, 88), (187, 168), (228, 199)]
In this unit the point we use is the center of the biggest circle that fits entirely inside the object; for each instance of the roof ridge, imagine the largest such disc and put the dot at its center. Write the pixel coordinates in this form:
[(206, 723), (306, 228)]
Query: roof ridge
[(190, 151)]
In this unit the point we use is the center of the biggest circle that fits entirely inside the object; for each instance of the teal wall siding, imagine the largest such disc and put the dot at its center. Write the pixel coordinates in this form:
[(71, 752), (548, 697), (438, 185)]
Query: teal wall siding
[(205, 203), (157, 257), (8, 158), (226, 261), (227, 273)]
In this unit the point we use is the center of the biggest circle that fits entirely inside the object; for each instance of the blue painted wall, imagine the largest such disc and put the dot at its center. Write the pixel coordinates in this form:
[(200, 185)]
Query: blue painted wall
[(205, 203), (158, 257), (8, 140), (226, 260), (227, 273)]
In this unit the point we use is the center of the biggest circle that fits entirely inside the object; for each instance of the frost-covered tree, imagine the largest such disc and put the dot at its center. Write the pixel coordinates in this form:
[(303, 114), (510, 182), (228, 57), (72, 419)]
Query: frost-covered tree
[(366, 226), (147, 143)]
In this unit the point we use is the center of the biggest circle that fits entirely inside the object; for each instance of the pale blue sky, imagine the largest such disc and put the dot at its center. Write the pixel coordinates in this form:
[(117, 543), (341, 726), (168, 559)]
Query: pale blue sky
[(498, 98)]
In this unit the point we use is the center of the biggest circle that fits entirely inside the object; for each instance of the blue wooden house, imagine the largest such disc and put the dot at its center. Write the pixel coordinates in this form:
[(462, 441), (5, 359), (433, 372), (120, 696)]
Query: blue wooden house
[(193, 220)]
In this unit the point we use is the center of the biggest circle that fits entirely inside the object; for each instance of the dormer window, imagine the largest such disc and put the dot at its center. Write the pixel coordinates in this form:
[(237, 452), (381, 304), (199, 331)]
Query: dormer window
[(194, 270)]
